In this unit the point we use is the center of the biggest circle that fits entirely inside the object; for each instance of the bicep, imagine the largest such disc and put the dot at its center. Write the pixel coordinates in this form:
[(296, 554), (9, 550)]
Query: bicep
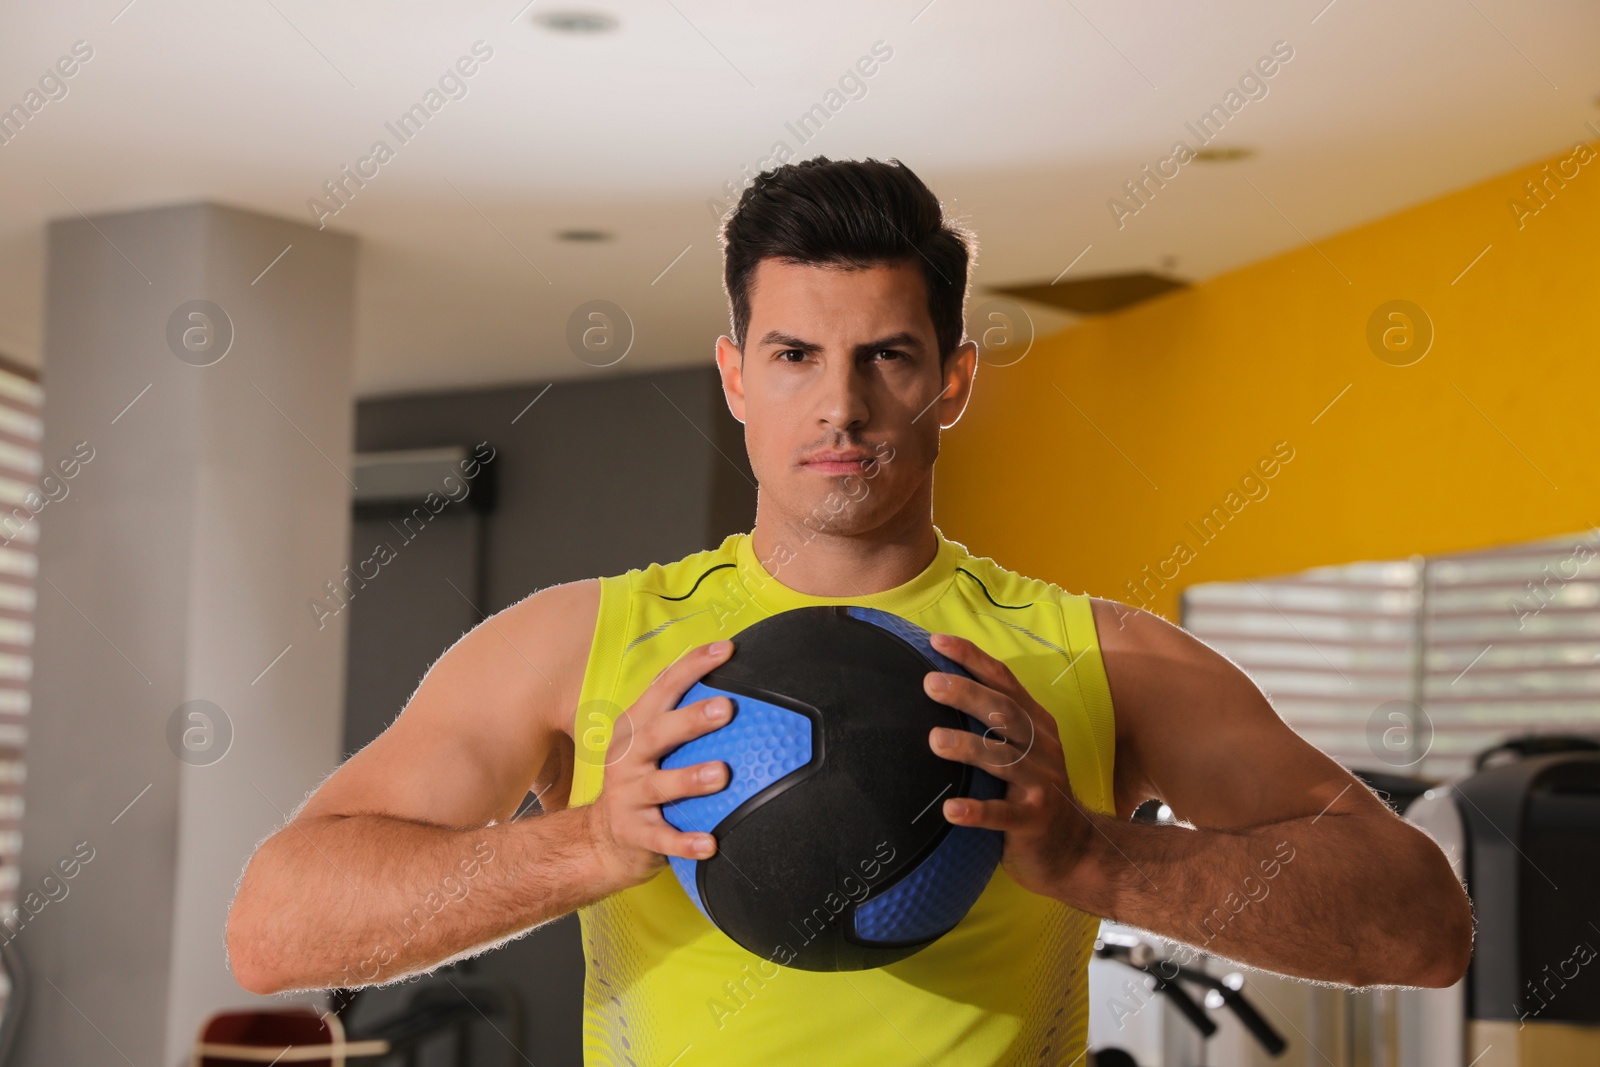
[(1193, 730), (481, 725)]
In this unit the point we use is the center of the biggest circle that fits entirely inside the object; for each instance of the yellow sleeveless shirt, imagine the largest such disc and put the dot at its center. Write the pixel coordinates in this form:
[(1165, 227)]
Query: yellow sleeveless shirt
[(1008, 985)]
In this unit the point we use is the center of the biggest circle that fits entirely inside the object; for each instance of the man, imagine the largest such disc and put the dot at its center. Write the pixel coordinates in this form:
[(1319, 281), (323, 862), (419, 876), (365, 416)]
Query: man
[(845, 361)]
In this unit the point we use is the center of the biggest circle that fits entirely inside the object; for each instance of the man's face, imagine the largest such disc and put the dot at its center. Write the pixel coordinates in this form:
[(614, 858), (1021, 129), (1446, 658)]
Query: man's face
[(843, 362)]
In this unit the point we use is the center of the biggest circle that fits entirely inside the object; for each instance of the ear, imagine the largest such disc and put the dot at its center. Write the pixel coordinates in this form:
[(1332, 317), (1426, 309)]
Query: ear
[(958, 373), (730, 367)]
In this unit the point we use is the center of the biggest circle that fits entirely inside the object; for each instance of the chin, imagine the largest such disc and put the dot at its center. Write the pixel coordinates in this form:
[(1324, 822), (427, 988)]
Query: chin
[(855, 517)]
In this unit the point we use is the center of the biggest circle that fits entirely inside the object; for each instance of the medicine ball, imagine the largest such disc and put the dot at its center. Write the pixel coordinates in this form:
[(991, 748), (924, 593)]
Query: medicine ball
[(833, 852)]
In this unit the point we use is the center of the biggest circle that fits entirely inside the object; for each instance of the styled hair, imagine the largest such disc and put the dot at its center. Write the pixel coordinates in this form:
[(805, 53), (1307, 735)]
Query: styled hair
[(849, 214)]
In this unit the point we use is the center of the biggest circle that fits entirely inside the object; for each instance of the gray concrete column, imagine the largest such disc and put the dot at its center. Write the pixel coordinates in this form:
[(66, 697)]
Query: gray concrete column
[(197, 384)]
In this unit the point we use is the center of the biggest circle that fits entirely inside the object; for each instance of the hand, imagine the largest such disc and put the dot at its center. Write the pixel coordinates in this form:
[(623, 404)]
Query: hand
[(1047, 831), (626, 828)]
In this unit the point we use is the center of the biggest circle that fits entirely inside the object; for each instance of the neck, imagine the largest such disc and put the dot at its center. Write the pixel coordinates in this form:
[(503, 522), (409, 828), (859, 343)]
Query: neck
[(844, 564)]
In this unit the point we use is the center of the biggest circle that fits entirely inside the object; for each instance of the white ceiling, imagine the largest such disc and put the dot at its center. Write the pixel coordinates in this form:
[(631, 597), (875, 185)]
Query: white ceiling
[(1024, 117)]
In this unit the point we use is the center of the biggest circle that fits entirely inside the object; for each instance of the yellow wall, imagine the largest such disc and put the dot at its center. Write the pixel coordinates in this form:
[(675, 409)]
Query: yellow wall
[(1083, 462)]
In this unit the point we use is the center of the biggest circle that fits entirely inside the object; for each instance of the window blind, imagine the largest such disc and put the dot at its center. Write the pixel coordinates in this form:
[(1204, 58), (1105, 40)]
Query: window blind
[(20, 468), (1414, 666), (1513, 645)]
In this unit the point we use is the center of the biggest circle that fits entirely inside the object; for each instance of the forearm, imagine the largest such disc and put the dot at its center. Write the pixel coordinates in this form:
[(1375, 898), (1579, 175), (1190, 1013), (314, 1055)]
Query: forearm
[(1349, 898), (363, 899)]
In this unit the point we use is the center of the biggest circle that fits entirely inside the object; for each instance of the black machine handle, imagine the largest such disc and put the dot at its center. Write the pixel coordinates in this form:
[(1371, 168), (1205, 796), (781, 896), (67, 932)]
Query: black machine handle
[(1141, 957), (1186, 1005), (1252, 1021)]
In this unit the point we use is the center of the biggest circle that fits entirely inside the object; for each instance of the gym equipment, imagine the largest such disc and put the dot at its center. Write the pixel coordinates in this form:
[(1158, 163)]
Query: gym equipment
[(1219, 992), (1515, 748), (833, 852), (1525, 837), (438, 1017)]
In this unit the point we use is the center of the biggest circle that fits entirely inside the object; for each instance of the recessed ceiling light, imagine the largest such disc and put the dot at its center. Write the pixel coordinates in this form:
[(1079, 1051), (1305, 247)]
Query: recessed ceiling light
[(576, 21), (583, 235), (1223, 155)]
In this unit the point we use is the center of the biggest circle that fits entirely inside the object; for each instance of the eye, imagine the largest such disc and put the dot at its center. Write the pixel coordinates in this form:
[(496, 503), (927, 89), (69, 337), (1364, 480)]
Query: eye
[(893, 353), (797, 351)]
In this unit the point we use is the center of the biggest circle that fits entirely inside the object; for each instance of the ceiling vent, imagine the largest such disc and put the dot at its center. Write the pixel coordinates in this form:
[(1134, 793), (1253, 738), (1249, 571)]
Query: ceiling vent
[(1097, 295)]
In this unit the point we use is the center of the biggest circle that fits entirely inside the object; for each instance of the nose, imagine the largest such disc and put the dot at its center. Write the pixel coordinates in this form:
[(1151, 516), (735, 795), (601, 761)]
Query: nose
[(843, 402)]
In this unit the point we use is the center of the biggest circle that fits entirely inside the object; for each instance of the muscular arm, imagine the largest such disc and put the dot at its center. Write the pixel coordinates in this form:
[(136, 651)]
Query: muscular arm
[(1290, 863), (402, 859)]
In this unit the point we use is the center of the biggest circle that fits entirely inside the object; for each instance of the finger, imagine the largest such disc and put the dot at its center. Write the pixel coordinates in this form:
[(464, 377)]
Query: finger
[(997, 714), (1004, 761), (656, 794), (663, 694), (663, 733), (687, 845), (993, 673), (693, 781), (984, 667), (985, 814)]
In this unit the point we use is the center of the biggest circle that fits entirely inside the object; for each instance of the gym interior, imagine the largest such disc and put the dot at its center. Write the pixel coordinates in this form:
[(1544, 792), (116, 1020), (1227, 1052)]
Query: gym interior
[(1282, 322)]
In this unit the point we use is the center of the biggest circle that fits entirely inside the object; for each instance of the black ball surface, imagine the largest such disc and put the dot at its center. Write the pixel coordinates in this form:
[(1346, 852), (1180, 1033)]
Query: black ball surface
[(833, 849)]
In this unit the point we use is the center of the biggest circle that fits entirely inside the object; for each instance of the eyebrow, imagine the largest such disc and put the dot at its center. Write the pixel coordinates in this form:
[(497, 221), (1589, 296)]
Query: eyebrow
[(903, 339)]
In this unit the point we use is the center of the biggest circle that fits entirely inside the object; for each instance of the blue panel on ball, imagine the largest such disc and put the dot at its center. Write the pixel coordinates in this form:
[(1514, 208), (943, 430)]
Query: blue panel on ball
[(932, 899), (762, 744)]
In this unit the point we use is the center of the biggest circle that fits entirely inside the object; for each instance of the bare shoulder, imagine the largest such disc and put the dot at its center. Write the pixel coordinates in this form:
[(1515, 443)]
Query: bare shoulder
[(558, 624), (1193, 730), (1124, 629), (489, 723), (1138, 649), (1145, 654)]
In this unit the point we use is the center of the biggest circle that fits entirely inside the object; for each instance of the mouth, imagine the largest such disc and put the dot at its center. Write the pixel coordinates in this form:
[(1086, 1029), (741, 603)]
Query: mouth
[(835, 462)]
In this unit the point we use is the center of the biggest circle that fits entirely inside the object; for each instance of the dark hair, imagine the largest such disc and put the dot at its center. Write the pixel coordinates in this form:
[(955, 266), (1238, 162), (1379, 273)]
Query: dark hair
[(851, 214)]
